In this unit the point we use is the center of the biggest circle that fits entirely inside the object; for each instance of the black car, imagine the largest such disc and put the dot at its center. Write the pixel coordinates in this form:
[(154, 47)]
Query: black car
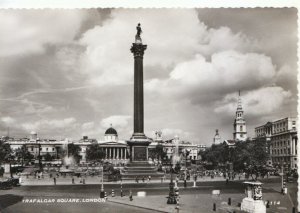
[(6, 184)]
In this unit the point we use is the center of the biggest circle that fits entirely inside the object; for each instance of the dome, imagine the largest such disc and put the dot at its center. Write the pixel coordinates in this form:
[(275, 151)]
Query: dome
[(111, 131)]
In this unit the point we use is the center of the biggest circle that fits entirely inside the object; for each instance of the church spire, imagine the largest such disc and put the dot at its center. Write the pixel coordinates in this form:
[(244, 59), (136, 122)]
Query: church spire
[(239, 132), (239, 107)]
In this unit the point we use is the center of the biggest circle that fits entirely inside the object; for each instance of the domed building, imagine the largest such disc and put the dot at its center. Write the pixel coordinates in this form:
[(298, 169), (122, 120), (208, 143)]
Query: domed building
[(111, 134), (115, 149)]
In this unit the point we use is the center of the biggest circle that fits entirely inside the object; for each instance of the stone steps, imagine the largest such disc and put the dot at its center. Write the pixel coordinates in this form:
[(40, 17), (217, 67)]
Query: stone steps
[(140, 169)]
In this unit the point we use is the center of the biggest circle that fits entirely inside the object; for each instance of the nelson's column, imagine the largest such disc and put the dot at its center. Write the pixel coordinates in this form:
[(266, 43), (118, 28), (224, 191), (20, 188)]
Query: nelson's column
[(138, 142)]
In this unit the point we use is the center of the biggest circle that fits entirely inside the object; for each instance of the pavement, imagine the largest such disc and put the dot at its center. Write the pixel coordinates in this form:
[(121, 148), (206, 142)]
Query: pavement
[(61, 180), (196, 203)]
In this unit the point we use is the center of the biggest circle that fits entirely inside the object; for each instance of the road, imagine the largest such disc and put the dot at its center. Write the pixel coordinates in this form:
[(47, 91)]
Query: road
[(11, 200)]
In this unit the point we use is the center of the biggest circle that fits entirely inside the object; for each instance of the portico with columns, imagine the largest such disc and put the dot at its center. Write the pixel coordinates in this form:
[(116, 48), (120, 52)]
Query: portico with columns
[(115, 152)]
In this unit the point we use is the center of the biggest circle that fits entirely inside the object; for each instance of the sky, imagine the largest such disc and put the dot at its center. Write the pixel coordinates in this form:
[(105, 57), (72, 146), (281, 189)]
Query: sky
[(69, 73)]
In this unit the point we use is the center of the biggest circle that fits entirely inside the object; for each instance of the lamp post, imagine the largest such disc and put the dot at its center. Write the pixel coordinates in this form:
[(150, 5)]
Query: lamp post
[(102, 186), (172, 197), (186, 153), (245, 169)]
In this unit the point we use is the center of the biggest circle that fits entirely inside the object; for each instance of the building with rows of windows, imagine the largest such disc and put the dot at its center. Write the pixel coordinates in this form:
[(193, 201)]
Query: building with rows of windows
[(281, 140), (116, 150)]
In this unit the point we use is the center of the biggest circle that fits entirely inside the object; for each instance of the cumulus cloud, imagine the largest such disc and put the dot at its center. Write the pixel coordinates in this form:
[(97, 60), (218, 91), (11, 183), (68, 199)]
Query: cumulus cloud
[(8, 120), (262, 101), (53, 124), (79, 61), (170, 133), (28, 31), (115, 121), (168, 45), (226, 72)]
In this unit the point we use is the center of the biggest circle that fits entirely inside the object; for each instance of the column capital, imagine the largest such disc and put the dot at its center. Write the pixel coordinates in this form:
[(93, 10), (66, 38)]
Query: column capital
[(138, 49)]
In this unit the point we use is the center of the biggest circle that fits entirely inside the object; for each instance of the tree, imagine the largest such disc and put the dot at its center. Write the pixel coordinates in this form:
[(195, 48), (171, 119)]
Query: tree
[(5, 153), (158, 152), (216, 155), (246, 156), (48, 157), (257, 159), (23, 154), (95, 153), (73, 150)]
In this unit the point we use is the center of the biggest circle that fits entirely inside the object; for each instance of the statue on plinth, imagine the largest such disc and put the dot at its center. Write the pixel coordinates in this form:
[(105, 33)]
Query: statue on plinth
[(138, 38)]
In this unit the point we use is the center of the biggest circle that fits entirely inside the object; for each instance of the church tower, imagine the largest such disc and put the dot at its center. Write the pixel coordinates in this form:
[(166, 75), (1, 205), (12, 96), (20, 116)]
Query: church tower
[(217, 138), (239, 126)]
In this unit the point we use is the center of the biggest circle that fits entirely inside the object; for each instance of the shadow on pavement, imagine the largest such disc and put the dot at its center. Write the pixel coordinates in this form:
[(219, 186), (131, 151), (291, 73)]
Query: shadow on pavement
[(8, 200)]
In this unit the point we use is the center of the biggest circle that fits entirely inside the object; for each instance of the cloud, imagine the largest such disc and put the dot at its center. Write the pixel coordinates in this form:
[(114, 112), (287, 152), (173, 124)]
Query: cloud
[(228, 71), (88, 125), (8, 120), (168, 133), (29, 31), (54, 124), (108, 61), (119, 121), (263, 101), (61, 64)]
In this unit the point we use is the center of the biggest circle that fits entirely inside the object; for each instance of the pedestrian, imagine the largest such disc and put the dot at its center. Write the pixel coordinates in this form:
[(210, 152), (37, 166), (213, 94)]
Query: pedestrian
[(227, 180), (54, 179), (130, 196), (143, 179), (149, 178)]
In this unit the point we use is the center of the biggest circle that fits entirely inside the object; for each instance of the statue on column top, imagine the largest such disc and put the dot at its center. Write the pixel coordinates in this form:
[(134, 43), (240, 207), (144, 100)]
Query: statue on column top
[(138, 38)]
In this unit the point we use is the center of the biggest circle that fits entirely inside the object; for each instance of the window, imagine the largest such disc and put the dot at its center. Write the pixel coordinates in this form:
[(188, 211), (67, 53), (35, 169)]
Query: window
[(47, 149), (31, 148), (241, 128), (53, 149)]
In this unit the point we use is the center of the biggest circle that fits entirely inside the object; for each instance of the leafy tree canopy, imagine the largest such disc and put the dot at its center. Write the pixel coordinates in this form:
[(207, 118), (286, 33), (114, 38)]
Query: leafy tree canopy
[(95, 153)]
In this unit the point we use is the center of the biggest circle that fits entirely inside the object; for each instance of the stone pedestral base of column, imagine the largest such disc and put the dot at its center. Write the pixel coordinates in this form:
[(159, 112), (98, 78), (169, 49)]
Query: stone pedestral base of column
[(253, 206)]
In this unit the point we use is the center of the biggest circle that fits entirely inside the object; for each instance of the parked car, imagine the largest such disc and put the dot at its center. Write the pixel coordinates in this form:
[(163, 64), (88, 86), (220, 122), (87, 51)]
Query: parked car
[(5, 184)]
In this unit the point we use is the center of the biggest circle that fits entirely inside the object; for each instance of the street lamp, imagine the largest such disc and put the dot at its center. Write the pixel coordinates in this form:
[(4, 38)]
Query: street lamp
[(102, 187), (172, 197), (186, 153)]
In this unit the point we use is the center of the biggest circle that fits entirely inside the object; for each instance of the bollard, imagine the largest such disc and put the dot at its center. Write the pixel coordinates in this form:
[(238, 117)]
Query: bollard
[(177, 207), (184, 183), (73, 182), (83, 181), (176, 190), (112, 193), (268, 204), (229, 201), (214, 207), (121, 193)]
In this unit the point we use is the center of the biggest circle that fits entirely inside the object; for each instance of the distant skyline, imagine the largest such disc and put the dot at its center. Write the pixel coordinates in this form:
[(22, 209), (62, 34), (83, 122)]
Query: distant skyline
[(69, 73)]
